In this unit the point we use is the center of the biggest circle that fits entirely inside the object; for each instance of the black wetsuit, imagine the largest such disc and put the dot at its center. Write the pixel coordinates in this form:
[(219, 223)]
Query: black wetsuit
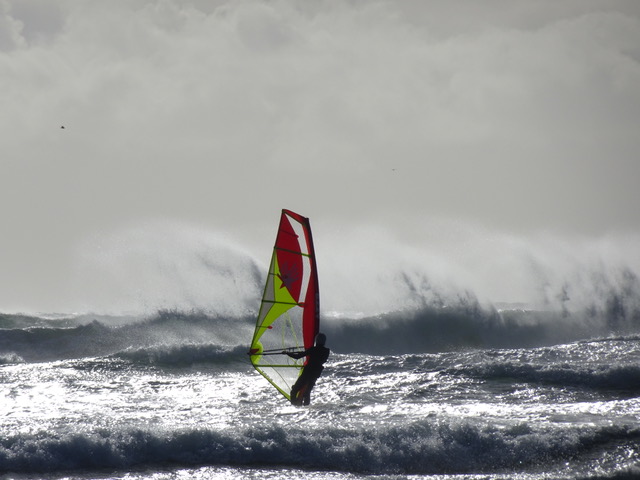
[(316, 357)]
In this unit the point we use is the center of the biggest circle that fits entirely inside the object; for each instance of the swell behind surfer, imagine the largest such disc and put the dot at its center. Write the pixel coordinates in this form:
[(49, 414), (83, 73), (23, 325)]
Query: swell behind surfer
[(316, 357)]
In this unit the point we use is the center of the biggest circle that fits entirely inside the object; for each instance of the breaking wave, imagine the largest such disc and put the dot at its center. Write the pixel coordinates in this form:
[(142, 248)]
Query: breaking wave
[(168, 334), (431, 321), (186, 355), (416, 448), (185, 338), (10, 358), (618, 378), (437, 329)]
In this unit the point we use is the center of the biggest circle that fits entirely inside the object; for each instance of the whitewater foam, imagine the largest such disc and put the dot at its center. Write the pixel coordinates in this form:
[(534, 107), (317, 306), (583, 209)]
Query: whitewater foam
[(424, 447)]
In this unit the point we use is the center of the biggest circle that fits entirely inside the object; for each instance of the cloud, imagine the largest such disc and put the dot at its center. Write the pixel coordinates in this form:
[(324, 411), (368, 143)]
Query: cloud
[(519, 117)]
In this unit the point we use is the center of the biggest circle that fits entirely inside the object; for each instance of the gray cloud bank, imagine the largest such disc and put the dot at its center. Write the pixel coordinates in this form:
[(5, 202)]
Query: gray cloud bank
[(515, 116)]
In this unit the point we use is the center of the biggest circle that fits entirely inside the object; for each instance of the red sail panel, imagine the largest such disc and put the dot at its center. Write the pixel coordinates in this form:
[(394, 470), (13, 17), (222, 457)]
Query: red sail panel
[(311, 314), (290, 258)]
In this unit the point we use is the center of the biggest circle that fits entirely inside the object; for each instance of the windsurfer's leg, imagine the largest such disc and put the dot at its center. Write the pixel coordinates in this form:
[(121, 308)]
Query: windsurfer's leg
[(307, 394), (294, 396), (296, 388), (294, 393)]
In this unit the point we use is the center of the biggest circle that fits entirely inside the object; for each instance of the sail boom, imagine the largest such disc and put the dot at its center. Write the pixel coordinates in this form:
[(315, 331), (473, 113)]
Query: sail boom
[(278, 351), (275, 365)]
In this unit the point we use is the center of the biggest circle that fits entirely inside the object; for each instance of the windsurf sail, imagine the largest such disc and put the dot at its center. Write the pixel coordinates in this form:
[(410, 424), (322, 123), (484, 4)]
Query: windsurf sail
[(289, 315)]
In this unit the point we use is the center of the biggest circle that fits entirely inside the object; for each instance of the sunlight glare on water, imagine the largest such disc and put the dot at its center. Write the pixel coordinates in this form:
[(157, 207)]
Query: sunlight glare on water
[(216, 417)]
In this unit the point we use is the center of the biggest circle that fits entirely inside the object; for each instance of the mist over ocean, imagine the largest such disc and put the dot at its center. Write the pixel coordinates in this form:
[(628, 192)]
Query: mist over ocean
[(444, 387)]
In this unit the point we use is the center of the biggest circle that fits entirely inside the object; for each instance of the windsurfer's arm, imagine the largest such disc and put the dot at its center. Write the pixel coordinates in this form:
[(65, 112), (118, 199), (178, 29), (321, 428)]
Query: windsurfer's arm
[(296, 355)]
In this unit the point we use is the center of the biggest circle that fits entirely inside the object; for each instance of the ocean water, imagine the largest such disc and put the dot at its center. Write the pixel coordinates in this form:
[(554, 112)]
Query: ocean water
[(433, 393)]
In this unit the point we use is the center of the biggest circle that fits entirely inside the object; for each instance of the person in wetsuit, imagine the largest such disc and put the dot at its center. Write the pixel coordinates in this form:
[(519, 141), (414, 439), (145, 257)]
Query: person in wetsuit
[(316, 357)]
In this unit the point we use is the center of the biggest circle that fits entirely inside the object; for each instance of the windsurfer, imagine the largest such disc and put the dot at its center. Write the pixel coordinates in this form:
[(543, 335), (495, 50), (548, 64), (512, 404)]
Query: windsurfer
[(316, 357)]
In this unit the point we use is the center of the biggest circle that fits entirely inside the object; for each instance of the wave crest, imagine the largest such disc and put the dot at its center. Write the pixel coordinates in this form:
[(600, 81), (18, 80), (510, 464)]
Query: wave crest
[(186, 355), (165, 330), (468, 325), (416, 448)]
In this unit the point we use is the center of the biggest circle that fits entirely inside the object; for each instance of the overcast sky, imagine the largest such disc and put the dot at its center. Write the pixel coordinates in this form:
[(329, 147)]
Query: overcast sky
[(409, 122)]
